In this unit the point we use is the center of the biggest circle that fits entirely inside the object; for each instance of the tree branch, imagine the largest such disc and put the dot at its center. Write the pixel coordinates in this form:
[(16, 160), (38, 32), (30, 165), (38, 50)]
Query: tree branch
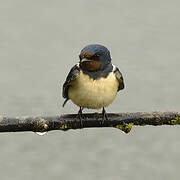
[(122, 121)]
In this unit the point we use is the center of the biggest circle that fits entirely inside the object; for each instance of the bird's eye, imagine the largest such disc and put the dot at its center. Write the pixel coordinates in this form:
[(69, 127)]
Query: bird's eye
[(96, 56)]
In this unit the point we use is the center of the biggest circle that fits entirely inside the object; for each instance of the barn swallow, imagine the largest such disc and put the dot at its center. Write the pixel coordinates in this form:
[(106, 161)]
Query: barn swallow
[(93, 83)]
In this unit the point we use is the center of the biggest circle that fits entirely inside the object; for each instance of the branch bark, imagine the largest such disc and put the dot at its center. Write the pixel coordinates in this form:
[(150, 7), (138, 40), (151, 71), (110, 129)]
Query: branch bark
[(122, 121)]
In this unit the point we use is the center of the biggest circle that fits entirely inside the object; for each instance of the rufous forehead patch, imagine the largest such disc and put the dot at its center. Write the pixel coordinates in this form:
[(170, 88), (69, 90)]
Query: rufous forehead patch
[(86, 55)]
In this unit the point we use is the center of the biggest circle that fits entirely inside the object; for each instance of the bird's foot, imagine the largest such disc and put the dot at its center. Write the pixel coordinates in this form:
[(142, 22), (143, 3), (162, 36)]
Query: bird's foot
[(80, 116), (104, 116)]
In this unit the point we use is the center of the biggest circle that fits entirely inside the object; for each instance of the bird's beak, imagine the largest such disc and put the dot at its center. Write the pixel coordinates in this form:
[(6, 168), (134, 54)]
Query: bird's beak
[(90, 65), (85, 60), (86, 56)]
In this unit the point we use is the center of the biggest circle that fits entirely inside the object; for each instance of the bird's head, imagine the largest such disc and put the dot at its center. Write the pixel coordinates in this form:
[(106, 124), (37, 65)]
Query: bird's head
[(94, 57)]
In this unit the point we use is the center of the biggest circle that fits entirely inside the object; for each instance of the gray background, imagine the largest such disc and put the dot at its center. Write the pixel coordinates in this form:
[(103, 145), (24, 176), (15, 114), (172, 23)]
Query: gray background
[(40, 41)]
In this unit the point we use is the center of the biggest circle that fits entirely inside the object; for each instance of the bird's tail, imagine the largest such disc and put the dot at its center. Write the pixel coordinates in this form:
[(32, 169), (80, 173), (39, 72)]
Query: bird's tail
[(65, 102)]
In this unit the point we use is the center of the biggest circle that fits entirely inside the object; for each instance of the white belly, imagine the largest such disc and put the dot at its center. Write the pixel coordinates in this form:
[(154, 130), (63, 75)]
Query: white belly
[(93, 94)]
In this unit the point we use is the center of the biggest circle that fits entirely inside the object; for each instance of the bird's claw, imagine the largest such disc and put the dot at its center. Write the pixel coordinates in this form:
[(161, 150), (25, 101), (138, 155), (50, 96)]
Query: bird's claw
[(104, 116), (80, 116)]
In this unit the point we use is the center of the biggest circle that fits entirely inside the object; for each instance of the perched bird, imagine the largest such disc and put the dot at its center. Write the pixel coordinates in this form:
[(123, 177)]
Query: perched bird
[(94, 82)]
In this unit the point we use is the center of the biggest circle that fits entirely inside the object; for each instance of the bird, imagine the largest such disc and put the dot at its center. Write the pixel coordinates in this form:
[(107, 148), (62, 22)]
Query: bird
[(94, 81)]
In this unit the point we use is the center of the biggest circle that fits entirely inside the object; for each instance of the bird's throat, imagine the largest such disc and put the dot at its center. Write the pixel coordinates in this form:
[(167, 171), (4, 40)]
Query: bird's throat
[(90, 65)]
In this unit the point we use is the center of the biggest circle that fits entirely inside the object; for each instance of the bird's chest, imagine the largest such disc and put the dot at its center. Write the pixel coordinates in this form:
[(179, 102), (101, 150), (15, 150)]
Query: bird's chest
[(94, 94)]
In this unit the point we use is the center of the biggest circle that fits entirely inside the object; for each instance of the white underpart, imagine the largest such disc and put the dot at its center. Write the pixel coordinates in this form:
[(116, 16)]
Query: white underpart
[(93, 94)]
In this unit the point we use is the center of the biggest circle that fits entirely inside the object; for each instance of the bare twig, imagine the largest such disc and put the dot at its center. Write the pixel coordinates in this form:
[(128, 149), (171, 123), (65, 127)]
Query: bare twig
[(123, 121)]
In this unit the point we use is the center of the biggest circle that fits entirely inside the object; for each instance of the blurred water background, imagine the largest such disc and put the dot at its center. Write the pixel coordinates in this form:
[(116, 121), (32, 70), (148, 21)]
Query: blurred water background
[(40, 41)]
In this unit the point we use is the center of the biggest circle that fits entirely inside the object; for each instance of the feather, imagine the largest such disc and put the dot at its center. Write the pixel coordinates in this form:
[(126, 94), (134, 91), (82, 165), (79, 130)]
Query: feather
[(120, 79), (73, 74)]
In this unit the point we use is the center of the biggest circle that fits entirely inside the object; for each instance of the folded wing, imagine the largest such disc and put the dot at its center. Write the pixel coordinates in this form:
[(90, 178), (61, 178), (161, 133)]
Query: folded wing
[(119, 78), (73, 74)]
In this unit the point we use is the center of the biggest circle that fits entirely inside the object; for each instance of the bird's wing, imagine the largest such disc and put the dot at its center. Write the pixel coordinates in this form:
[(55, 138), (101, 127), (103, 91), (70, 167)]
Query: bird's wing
[(73, 74), (119, 78)]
